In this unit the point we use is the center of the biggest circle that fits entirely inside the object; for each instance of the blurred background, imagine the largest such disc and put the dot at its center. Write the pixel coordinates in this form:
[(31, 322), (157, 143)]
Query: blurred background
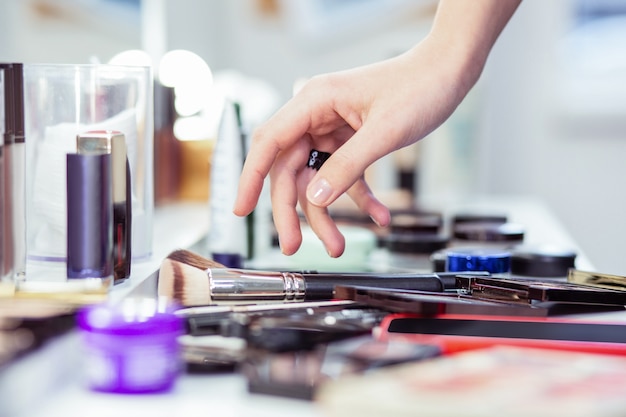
[(546, 120)]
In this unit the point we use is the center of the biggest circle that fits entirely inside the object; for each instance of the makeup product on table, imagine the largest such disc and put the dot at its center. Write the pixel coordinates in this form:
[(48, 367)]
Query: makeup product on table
[(131, 347), (191, 280), (488, 234), (455, 333), (89, 217), (416, 221), (14, 171), (479, 217), (413, 236), (495, 261), (18, 171), (3, 267), (490, 296), (302, 330), (597, 280), (114, 143), (542, 261), (431, 304), (204, 320), (8, 234), (300, 374), (533, 291), (412, 251), (228, 234), (212, 340)]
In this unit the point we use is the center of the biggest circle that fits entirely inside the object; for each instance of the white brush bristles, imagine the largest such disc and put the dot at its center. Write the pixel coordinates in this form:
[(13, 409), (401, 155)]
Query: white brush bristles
[(185, 284)]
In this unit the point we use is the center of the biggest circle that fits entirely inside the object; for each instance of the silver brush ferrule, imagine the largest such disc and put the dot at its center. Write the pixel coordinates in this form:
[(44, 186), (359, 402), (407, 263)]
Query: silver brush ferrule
[(245, 285)]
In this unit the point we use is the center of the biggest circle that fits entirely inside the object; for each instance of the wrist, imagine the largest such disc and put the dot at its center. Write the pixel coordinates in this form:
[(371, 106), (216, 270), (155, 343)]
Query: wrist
[(464, 32)]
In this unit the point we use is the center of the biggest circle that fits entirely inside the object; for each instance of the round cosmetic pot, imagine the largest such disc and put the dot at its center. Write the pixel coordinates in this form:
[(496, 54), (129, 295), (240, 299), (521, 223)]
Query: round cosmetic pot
[(478, 259), (130, 347)]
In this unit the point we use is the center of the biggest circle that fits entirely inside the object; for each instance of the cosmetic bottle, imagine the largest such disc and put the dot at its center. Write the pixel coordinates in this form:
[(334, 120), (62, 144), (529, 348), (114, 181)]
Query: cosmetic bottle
[(89, 217), (227, 240), (18, 174), (114, 143), (6, 198), (3, 267)]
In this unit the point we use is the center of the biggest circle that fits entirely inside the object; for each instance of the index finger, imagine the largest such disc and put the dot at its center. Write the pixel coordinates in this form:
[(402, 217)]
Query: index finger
[(281, 131)]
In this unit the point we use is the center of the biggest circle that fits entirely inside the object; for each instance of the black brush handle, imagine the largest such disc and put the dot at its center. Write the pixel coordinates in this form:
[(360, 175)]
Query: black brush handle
[(322, 286)]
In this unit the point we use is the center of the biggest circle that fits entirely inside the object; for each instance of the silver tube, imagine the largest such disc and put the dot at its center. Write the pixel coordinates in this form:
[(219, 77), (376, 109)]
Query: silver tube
[(240, 285)]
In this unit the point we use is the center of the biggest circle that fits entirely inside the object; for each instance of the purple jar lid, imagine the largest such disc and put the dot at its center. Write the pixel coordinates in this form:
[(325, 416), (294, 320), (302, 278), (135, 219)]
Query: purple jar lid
[(131, 347), (130, 317)]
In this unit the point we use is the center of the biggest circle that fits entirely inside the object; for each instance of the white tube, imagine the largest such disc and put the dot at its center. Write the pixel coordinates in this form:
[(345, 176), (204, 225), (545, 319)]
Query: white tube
[(227, 239)]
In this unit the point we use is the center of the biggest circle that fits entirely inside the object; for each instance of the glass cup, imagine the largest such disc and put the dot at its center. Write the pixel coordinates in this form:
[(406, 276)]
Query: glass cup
[(62, 101)]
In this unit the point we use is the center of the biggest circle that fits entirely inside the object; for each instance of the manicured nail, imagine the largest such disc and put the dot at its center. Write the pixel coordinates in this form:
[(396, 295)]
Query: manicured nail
[(375, 222), (319, 192)]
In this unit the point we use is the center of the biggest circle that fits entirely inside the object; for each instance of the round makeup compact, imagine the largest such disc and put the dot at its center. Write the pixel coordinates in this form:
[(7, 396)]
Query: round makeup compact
[(416, 222), (488, 232), (542, 261), (478, 259), (412, 250)]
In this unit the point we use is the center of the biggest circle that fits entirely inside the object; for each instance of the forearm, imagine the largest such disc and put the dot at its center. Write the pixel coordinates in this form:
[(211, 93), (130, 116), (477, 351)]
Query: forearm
[(466, 30)]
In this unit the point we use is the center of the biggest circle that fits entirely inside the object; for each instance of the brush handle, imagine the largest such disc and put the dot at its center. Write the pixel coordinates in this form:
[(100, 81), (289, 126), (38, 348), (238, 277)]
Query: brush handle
[(322, 286)]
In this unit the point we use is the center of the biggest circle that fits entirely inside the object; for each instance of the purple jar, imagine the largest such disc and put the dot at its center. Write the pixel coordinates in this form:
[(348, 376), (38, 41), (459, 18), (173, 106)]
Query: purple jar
[(131, 347)]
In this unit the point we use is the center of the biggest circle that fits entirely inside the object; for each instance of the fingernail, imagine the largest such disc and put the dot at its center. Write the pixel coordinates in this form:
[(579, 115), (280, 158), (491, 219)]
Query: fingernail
[(319, 192), (280, 246), (375, 222)]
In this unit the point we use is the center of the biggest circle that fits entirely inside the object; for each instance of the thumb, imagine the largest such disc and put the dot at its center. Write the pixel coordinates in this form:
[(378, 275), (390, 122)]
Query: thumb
[(344, 168)]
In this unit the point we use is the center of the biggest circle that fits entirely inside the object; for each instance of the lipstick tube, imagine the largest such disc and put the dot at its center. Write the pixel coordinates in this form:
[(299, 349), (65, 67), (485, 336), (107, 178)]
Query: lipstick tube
[(89, 216), (114, 143)]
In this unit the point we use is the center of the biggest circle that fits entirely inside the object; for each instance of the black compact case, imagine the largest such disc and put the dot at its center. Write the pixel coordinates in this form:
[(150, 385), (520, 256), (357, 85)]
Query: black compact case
[(455, 333), (299, 374)]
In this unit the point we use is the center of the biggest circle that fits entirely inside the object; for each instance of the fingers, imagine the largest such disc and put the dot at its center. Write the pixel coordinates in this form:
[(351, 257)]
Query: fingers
[(365, 200), (322, 223), (319, 219), (255, 169), (342, 170), (285, 128), (284, 195)]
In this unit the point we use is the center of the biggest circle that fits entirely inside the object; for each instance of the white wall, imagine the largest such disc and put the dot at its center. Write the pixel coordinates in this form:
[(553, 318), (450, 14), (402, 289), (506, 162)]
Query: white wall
[(532, 145), (233, 34), (58, 31)]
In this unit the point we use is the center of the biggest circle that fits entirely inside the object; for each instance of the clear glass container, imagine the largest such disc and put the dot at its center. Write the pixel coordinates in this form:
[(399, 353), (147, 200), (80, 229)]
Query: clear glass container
[(61, 101)]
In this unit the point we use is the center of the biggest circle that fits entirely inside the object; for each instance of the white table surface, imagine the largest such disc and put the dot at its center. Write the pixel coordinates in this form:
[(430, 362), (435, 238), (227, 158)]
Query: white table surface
[(48, 383)]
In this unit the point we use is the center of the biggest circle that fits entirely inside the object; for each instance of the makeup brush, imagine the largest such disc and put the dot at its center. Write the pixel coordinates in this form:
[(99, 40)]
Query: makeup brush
[(192, 280)]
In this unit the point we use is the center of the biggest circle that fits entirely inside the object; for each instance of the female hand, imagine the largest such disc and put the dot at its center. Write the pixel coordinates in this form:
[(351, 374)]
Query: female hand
[(360, 115)]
